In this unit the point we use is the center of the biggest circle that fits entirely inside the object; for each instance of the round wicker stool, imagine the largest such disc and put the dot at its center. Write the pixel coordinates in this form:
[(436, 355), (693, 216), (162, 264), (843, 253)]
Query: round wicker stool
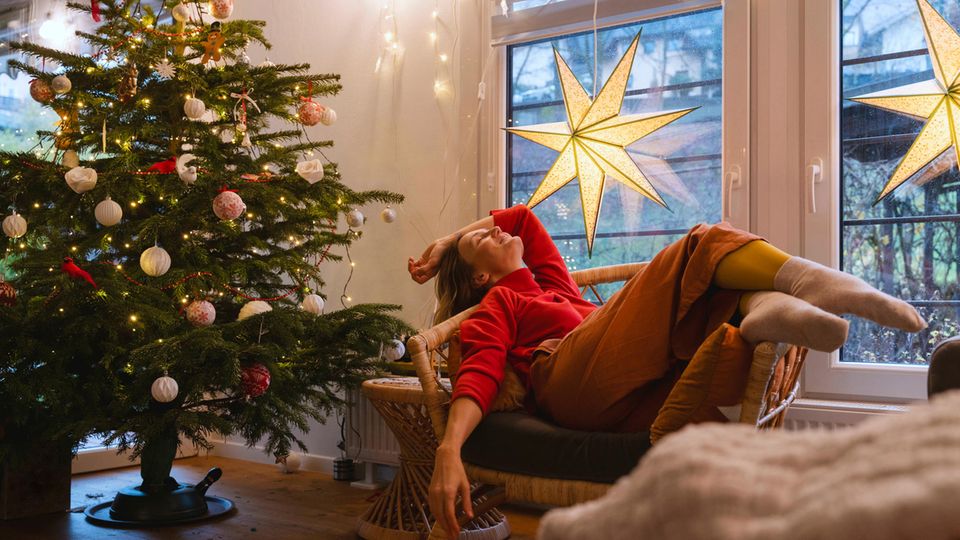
[(402, 511)]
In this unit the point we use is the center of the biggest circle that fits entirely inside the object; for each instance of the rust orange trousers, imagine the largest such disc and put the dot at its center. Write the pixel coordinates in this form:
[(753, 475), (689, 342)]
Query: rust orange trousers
[(614, 371)]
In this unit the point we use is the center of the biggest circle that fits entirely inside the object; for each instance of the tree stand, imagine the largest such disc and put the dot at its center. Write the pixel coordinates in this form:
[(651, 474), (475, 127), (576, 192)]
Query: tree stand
[(160, 499)]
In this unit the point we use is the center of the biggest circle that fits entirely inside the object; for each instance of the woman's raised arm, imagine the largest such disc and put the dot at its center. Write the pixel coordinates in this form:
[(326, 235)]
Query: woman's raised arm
[(424, 268)]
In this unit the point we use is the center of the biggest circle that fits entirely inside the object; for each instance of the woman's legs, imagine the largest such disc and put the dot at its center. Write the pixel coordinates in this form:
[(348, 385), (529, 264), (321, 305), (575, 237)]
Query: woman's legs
[(761, 266)]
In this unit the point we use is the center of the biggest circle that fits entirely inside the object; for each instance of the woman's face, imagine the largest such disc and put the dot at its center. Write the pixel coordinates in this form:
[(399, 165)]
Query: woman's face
[(491, 251)]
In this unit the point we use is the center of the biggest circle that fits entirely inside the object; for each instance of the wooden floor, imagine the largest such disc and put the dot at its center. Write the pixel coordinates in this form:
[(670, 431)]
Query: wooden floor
[(270, 505)]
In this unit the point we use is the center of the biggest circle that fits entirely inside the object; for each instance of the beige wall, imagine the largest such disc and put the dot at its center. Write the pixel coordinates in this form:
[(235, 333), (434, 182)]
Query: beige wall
[(391, 133)]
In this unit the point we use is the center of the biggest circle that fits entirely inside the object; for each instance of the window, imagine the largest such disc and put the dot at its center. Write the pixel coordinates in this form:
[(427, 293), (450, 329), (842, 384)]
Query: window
[(907, 245), (679, 64)]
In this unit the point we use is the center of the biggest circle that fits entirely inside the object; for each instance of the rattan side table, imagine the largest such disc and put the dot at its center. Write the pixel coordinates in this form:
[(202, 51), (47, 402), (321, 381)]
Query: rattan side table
[(402, 511)]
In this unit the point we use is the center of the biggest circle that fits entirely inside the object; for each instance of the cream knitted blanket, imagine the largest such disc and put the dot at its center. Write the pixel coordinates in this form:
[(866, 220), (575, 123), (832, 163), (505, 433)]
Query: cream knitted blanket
[(893, 477)]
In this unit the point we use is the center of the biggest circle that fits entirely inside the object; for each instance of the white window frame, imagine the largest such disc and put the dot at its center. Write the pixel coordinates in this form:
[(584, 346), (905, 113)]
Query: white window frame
[(736, 87), (825, 376)]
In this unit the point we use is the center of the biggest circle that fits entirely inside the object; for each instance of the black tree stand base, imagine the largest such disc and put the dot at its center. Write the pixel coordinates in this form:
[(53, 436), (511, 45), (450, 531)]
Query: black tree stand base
[(160, 499), (185, 503)]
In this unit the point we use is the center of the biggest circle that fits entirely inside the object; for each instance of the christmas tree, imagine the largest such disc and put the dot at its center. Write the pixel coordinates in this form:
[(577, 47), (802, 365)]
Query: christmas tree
[(166, 242)]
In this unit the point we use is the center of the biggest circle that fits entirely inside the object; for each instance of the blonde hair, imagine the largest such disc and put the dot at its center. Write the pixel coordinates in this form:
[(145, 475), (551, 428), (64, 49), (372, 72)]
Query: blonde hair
[(455, 290)]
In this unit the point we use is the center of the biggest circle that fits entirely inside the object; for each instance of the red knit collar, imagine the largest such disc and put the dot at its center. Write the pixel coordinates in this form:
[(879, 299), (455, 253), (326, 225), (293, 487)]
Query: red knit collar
[(519, 280)]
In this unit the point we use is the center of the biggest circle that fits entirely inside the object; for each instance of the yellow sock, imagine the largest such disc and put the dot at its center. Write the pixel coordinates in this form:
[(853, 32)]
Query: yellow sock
[(752, 267)]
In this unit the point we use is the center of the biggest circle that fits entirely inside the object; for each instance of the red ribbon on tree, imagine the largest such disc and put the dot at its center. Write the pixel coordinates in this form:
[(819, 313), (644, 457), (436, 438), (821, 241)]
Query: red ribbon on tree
[(166, 166), (224, 188), (309, 96), (95, 10)]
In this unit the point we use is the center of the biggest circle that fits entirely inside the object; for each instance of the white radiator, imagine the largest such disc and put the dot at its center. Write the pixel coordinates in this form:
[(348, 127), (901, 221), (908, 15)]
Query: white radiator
[(368, 437)]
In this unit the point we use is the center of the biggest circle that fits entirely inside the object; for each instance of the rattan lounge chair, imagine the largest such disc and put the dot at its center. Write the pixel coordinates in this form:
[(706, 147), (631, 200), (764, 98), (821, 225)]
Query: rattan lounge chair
[(772, 387)]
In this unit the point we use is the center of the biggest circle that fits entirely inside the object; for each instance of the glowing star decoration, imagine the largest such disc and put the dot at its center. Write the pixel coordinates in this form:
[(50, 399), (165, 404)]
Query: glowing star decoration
[(937, 101), (592, 142)]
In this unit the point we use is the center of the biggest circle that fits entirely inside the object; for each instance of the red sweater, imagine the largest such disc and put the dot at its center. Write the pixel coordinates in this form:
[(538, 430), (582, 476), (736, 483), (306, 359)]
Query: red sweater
[(520, 311)]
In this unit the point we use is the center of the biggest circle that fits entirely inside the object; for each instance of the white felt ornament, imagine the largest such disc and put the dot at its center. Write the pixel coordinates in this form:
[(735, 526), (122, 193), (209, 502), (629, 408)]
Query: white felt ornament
[(289, 463), (201, 313), (61, 84), (108, 212), (355, 219), (187, 173), (70, 159), (253, 308), (388, 215), (393, 350), (14, 225), (311, 171), (228, 205), (155, 261), (164, 389), (328, 116), (194, 108), (227, 135), (221, 9), (166, 70), (81, 179), (181, 13), (312, 303)]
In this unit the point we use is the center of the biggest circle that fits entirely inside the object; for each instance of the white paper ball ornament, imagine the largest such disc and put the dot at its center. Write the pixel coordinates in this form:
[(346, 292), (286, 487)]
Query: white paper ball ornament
[(393, 350), (388, 215), (253, 308), (70, 159), (81, 179), (14, 225), (194, 108), (312, 303), (108, 212), (355, 218), (328, 116), (288, 463), (181, 13), (201, 313), (228, 205), (164, 389), (155, 261)]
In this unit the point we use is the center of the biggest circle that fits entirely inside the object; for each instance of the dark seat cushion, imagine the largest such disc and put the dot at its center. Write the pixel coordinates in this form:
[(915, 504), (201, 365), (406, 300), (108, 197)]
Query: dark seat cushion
[(944, 373), (523, 444)]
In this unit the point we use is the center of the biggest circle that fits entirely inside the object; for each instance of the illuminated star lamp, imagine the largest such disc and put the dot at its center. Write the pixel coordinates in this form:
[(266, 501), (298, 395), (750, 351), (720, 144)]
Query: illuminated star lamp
[(937, 100), (592, 142)]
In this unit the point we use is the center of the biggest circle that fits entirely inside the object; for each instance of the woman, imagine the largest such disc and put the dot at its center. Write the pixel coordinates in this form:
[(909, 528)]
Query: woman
[(574, 357)]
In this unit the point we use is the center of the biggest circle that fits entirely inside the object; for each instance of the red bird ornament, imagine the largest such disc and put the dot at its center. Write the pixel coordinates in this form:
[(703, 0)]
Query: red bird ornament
[(68, 267)]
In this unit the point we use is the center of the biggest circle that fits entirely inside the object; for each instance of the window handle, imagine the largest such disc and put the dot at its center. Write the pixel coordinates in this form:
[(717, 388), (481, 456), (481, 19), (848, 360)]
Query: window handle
[(814, 177), (732, 181)]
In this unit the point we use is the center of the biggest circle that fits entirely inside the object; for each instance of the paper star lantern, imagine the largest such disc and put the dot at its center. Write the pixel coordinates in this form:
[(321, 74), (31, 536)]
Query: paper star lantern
[(935, 100), (592, 142)]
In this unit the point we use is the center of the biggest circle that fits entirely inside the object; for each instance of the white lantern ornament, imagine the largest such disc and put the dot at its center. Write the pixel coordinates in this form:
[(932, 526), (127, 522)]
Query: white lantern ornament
[(194, 108), (108, 212), (81, 179), (61, 84), (393, 350), (164, 389), (14, 225), (312, 303), (388, 215), (228, 205), (201, 313), (355, 219), (253, 308), (155, 261)]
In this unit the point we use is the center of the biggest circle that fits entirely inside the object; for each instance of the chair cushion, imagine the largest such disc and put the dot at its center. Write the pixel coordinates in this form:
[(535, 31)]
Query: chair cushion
[(523, 444), (944, 372), (716, 375)]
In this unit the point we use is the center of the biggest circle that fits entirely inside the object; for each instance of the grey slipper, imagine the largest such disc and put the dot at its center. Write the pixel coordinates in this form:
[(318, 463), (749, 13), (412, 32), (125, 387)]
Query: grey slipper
[(944, 372)]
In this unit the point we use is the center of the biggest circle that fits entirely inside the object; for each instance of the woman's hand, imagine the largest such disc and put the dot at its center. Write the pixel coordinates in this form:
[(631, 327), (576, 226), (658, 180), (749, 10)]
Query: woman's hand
[(449, 479), (428, 264)]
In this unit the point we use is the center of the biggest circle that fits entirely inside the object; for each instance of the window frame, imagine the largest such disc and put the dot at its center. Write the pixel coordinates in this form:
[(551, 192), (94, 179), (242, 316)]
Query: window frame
[(736, 92), (825, 376)]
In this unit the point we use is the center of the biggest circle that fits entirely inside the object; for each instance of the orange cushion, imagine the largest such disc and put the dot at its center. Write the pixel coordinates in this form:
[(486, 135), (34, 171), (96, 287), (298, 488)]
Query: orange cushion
[(716, 376)]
